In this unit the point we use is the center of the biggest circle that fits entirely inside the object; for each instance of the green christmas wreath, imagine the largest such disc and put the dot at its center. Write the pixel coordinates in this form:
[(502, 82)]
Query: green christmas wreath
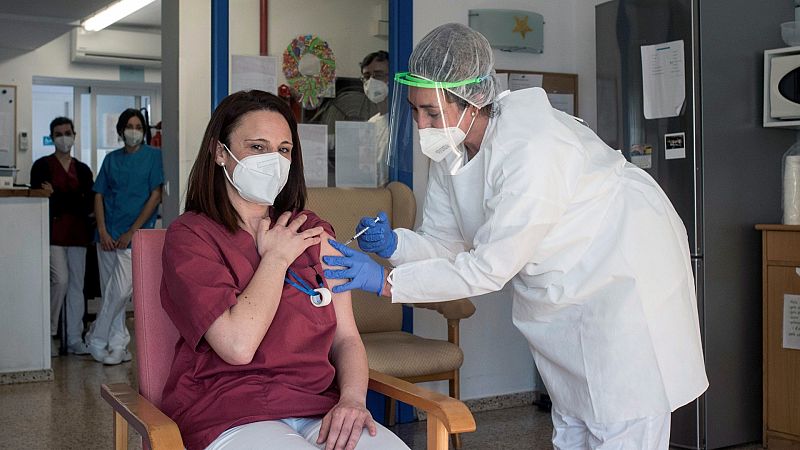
[(309, 87)]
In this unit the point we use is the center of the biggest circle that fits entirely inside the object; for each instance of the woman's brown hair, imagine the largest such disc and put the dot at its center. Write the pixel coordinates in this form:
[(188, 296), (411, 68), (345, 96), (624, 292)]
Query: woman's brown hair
[(207, 193)]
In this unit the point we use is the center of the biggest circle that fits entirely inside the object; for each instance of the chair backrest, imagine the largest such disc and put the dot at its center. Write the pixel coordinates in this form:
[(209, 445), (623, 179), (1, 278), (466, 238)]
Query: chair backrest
[(156, 336), (343, 208)]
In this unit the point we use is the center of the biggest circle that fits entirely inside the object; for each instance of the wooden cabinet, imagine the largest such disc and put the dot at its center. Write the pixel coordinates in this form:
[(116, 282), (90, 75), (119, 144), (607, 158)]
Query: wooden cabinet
[(781, 366)]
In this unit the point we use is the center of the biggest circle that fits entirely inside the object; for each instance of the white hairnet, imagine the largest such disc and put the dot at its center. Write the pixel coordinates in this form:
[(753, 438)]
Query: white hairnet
[(454, 52)]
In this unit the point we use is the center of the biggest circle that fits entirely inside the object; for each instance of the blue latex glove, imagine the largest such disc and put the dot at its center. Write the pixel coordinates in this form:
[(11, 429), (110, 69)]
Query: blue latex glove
[(379, 238), (362, 271)]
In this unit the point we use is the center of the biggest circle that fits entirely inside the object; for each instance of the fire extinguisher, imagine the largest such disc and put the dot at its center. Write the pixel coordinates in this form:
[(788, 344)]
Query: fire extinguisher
[(156, 141)]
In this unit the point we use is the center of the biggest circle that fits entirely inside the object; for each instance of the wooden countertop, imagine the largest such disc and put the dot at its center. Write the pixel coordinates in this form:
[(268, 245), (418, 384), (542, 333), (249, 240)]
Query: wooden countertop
[(777, 227), (23, 193)]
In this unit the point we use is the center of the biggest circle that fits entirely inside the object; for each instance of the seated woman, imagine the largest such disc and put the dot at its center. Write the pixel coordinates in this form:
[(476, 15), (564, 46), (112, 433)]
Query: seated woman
[(267, 356)]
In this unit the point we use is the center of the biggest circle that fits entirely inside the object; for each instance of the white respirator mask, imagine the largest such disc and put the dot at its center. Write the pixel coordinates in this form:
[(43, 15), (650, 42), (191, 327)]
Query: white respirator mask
[(133, 137), (64, 143), (437, 143), (376, 90), (259, 178)]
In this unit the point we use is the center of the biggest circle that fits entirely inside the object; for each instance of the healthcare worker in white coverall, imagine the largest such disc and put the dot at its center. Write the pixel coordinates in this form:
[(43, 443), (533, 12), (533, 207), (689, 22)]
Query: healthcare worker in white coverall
[(596, 254)]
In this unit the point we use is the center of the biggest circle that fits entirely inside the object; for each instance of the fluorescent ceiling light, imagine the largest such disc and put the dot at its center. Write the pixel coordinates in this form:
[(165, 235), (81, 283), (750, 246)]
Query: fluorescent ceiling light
[(112, 13)]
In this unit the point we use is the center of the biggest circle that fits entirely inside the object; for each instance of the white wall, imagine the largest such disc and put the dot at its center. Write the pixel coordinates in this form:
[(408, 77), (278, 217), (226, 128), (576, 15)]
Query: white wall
[(50, 60), (245, 26), (186, 90)]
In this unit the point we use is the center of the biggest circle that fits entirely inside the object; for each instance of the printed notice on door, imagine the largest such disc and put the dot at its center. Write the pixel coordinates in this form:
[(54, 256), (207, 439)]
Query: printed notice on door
[(791, 321), (663, 79)]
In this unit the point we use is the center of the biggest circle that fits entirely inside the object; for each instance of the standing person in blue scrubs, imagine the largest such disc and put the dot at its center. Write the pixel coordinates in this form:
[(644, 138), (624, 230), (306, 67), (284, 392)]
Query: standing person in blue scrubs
[(127, 193)]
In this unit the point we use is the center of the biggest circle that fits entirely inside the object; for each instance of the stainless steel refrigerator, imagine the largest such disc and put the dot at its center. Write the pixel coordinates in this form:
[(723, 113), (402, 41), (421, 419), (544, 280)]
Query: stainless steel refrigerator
[(728, 181)]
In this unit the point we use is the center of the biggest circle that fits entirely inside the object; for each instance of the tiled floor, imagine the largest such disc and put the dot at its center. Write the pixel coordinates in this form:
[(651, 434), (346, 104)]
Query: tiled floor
[(68, 413)]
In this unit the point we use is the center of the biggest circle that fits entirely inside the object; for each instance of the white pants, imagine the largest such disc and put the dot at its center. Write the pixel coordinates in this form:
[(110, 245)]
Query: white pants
[(296, 434), (67, 268), (646, 433), (109, 330)]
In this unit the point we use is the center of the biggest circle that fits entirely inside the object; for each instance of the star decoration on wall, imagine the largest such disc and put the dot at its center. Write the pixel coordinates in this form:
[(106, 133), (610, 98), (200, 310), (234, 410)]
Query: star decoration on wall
[(521, 26)]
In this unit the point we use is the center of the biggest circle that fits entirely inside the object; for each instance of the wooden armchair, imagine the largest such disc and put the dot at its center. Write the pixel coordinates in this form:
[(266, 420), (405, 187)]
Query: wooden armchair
[(389, 349), (155, 339)]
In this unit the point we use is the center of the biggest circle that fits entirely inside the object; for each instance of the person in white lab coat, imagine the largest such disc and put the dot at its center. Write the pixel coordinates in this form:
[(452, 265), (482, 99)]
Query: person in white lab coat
[(598, 258)]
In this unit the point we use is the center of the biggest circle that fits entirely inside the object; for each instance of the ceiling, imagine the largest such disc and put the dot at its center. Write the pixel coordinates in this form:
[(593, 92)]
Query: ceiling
[(27, 25)]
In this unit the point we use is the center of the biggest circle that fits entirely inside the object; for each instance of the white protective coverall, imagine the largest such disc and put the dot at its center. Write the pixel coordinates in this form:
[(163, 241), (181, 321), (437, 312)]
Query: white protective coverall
[(597, 256)]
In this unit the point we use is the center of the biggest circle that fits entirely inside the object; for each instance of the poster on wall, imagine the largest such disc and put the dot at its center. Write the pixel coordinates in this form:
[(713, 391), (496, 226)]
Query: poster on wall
[(254, 72), (791, 321), (110, 136), (314, 142), (663, 79), (562, 102), (356, 158), (642, 155), (8, 124), (675, 146), (518, 81)]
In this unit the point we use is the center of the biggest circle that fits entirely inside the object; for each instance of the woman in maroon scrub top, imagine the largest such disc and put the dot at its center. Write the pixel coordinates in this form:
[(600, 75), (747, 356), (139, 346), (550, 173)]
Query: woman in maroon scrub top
[(267, 356)]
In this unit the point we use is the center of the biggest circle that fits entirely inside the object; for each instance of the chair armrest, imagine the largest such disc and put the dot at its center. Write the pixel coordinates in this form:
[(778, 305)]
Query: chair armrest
[(152, 424), (454, 414), (451, 310)]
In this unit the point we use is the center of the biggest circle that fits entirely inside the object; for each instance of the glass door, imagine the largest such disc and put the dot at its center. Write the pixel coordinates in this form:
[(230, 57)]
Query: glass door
[(106, 104), (107, 108), (94, 106)]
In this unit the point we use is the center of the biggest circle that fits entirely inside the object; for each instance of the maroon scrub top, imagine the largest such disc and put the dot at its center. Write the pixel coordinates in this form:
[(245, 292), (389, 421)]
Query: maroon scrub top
[(71, 202), (205, 269)]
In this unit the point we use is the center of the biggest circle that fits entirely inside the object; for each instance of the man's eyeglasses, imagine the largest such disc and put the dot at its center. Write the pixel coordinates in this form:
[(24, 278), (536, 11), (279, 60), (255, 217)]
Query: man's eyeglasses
[(378, 75)]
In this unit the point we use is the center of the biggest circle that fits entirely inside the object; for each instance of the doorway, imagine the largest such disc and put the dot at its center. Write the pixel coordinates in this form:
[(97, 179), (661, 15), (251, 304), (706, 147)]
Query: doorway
[(94, 107)]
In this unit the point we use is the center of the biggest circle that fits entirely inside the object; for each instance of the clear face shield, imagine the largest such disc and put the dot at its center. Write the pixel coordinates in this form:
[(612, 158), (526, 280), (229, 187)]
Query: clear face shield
[(441, 123)]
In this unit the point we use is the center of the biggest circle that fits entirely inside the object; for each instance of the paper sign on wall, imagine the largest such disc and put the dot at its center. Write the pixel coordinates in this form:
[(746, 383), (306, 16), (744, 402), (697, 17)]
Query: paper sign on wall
[(254, 72), (642, 155), (356, 158), (791, 321), (502, 81), (675, 146), (314, 142), (663, 79), (563, 102), (518, 81)]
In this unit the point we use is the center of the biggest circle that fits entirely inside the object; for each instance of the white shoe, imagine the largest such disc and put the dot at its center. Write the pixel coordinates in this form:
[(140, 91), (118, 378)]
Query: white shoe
[(99, 354), (78, 348), (117, 356)]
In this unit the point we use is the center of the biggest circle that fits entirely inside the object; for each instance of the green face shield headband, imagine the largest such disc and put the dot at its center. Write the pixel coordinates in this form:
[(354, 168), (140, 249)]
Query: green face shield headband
[(409, 79)]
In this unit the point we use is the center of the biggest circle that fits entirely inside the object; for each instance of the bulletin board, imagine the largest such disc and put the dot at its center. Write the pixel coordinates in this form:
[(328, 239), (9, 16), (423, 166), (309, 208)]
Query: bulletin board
[(8, 125), (560, 87)]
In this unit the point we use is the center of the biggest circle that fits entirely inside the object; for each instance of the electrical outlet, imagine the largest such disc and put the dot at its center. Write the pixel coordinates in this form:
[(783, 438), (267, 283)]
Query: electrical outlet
[(24, 141)]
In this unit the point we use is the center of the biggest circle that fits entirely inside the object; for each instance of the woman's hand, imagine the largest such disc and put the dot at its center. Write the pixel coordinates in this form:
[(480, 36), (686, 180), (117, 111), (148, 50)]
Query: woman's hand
[(124, 240), (284, 242), (106, 243), (341, 427)]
